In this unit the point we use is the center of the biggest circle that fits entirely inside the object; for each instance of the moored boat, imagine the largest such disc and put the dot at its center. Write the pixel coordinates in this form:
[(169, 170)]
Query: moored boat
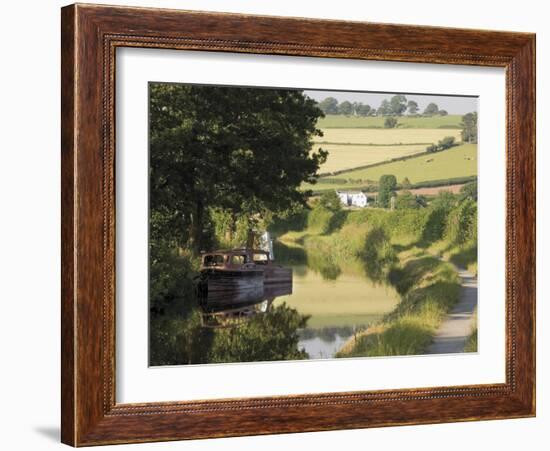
[(240, 269)]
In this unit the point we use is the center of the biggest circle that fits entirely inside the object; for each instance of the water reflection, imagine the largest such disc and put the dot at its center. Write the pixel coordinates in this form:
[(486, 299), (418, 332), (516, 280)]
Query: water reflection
[(233, 308), (335, 296), (336, 293)]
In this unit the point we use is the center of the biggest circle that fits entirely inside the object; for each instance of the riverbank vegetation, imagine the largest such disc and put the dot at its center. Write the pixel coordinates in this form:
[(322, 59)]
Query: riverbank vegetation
[(223, 161), (401, 248)]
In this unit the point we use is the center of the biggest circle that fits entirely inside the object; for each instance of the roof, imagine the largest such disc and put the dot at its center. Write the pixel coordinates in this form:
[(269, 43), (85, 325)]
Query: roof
[(236, 250), (349, 192)]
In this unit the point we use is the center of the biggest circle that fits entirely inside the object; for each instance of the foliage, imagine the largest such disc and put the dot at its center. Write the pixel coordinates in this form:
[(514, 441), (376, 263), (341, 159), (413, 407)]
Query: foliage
[(390, 122), (443, 144), (469, 191), (385, 108), (329, 105), (331, 201), (469, 127), (386, 189), (291, 220), (436, 222), (177, 340), (218, 147), (345, 108), (213, 154), (431, 109), (319, 220), (398, 104), (362, 109), (407, 200), (268, 337), (412, 106), (462, 223), (405, 183), (444, 200)]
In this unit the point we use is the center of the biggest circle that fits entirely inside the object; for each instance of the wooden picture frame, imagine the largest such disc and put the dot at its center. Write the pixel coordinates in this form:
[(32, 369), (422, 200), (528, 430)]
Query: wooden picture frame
[(90, 36)]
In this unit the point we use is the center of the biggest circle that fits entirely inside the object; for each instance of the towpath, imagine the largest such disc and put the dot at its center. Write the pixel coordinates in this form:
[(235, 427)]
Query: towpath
[(454, 331)]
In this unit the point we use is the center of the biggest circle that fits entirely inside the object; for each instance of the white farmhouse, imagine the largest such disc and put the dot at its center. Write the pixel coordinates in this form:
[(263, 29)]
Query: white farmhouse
[(353, 198)]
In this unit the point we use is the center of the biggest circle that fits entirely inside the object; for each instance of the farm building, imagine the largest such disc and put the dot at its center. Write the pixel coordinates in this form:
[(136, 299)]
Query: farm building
[(352, 198)]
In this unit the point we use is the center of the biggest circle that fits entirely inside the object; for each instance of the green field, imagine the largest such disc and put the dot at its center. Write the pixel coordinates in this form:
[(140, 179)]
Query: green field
[(385, 136), (458, 161), (342, 157), (340, 121)]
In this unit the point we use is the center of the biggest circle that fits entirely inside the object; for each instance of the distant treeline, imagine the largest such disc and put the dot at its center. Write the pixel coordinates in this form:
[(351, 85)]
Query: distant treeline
[(397, 105)]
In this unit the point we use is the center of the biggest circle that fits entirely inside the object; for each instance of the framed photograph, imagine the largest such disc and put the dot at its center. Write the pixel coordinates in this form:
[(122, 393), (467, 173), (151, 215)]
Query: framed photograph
[(279, 225)]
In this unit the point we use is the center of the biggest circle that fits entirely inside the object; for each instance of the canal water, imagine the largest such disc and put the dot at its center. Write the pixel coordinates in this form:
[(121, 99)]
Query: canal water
[(338, 297)]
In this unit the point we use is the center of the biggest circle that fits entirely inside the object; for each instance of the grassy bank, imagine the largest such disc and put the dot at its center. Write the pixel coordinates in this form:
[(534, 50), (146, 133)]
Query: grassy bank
[(397, 248), (429, 288)]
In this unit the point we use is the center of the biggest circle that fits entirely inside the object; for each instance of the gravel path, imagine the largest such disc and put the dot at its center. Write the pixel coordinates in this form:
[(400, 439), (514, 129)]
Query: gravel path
[(453, 333)]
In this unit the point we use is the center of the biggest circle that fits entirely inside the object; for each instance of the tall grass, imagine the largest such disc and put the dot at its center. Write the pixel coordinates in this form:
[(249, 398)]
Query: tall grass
[(394, 248), (429, 288)]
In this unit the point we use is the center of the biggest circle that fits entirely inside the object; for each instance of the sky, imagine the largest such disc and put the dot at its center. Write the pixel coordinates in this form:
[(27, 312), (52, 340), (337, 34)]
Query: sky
[(453, 104)]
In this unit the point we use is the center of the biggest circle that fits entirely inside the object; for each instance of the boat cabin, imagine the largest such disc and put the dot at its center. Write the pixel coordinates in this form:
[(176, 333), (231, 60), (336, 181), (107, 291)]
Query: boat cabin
[(235, 258)]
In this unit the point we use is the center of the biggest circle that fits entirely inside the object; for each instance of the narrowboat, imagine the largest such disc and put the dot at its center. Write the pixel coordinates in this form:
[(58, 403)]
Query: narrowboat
[(240, 269)]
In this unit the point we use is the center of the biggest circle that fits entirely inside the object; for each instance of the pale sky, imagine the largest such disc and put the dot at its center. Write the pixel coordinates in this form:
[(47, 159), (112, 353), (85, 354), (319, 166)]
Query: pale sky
[(453, 104)]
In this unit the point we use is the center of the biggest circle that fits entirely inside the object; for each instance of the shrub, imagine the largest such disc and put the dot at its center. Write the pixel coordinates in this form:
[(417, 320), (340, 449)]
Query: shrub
[(469, 191), (390, 122), (331, 201), (462, 223), (435, 224), (443, 144), (407, 200)]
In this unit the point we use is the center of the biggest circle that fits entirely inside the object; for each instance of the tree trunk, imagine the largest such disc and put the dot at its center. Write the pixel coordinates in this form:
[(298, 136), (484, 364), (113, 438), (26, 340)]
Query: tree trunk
[(197, 220), (250, 239), (230, 231)]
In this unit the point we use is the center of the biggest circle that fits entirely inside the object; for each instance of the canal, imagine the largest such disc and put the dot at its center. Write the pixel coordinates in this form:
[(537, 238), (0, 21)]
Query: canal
[(337, 296)]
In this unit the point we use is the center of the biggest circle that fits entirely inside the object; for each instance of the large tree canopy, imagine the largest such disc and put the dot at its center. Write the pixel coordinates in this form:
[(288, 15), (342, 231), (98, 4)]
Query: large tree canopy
[(246, 150)]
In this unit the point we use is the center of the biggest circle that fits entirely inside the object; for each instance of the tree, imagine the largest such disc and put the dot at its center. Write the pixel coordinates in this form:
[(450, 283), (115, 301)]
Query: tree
[(331, 201), (385, 108), (412, 106), (386, 188), (398, 104), (406, 201), (345, 108), (442, 144), (246, 151), (329, 105), (431, 109), (446, 143), (406, 183), (461, 227), (469, 127), (432, 148), (390, 122), (444, 200), (442, 112), (363, 109)]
